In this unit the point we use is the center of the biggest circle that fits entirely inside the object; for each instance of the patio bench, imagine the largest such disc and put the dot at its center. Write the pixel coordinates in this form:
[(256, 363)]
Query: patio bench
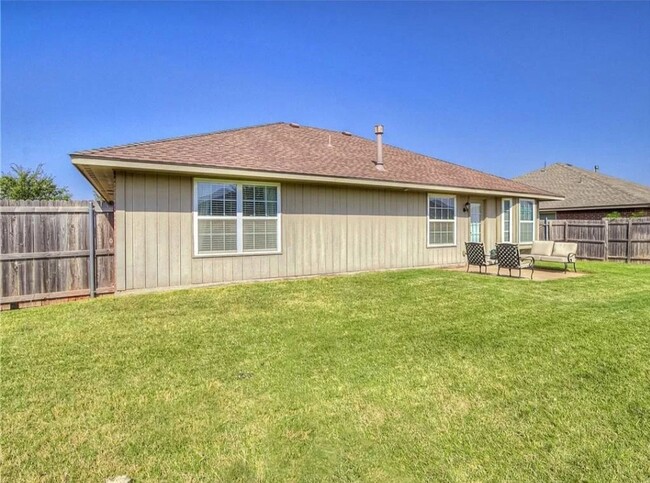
[(558, 252)]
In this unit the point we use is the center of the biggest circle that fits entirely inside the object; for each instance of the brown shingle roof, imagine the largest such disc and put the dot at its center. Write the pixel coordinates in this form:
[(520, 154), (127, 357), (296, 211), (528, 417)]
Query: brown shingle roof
[(583, 189), (283, 148)]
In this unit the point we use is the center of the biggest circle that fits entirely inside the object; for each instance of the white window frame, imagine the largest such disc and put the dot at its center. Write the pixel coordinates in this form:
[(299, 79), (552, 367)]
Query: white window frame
[(454, 220), (527, 221), (240, 217), (480, 221), (503, 225)]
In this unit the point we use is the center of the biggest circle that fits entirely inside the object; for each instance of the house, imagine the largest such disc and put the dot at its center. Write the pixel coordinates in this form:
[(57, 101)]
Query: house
[(588, 195), (283, 200)]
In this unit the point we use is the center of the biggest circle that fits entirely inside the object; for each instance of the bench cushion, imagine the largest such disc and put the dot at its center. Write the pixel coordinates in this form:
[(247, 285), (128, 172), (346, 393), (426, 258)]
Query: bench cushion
[(563, 249), (542, 248), (550, 258)]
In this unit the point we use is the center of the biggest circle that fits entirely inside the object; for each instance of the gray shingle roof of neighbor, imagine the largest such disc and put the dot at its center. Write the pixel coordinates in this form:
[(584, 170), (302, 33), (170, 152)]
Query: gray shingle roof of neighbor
[(584, 189), (289, 148)]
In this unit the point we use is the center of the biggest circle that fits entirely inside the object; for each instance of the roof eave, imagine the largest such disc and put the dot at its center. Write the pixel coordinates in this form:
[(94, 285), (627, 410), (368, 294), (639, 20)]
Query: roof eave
[(85, 162), (106, 190), (596, 207)]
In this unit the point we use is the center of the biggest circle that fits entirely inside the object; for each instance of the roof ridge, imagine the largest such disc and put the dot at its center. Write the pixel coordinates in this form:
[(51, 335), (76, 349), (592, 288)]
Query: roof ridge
[(542, 169), (175, 138), (602, 178)]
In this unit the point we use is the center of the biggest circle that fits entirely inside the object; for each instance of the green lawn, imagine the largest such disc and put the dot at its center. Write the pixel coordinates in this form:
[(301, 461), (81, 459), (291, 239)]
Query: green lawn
[(413, 375)]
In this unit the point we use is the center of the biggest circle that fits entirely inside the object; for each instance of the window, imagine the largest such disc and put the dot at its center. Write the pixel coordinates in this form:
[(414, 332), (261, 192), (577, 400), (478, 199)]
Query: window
[(548, 215), (260, 218), (475, 222), (442, 220), (526, 221), (233, 218), (506, 223)]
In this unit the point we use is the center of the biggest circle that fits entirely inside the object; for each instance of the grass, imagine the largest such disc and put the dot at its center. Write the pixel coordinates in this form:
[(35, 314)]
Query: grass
[(409, 376)]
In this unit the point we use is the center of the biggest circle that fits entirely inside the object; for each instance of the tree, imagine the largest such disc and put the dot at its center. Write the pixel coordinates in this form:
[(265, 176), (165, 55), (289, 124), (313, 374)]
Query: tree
[(31, 184)]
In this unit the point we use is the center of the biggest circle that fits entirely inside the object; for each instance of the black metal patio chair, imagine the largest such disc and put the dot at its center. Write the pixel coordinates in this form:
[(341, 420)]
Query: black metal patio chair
[(476, 256), (508, 256)]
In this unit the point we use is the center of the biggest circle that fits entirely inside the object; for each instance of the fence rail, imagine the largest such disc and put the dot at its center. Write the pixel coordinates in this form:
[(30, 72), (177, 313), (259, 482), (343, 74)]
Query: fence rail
[(55, 250), (619, 239)]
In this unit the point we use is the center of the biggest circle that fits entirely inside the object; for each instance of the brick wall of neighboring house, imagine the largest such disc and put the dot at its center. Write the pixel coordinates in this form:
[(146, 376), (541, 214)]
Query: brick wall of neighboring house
[(598, 214)]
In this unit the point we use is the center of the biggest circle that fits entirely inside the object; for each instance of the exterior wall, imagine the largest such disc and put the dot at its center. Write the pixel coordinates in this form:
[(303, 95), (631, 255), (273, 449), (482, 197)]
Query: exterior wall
[(325, 229), (600, 214)]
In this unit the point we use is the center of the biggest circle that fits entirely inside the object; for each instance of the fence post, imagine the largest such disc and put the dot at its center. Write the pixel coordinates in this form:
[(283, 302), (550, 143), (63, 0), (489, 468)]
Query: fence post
[(606, 240), (629, 240), (91, 248), (566, 230)]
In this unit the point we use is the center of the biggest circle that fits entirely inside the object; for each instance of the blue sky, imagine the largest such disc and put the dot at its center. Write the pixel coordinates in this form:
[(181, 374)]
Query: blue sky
[(503, 87)]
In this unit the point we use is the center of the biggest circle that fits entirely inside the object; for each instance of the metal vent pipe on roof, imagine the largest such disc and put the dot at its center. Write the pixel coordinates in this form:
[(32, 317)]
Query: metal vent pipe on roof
[(379, 132)]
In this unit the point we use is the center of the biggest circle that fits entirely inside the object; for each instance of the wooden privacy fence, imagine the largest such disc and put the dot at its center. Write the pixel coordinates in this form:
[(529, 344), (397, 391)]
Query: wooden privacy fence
[(55, 250), (623, 239)]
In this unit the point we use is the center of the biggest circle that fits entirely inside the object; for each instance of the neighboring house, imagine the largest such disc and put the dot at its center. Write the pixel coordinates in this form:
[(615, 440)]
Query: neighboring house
[(282, 200), (588, 195)]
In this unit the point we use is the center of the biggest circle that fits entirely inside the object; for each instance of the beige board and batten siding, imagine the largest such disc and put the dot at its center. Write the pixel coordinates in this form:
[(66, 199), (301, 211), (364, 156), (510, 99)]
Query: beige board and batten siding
[(325, 229)]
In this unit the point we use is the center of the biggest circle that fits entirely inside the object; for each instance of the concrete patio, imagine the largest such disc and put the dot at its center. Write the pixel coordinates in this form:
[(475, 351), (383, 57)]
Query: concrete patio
[(540, 275)]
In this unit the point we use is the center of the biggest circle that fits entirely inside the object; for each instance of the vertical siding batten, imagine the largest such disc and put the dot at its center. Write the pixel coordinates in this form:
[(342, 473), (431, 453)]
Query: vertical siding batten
[(120, 232), (151, 230), (187, 244), (139, 254), (163, 236), (128, 230), (174, 231)]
